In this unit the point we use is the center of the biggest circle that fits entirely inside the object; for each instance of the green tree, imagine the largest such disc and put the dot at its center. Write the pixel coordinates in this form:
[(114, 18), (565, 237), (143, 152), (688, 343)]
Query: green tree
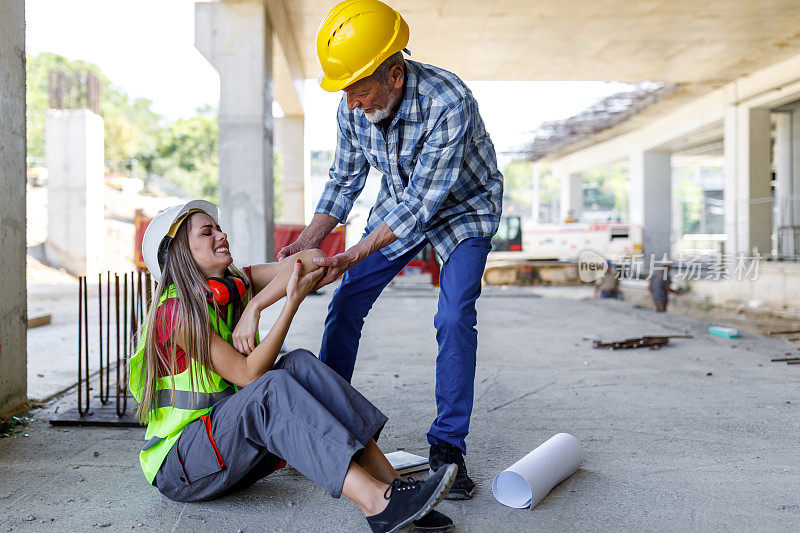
[(608, 188), (549, 185), (186, 154), (518, 186), (691, 198), (130, 127)]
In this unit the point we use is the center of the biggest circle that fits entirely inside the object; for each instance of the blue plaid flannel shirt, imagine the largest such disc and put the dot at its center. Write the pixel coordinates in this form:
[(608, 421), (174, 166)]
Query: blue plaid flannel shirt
[(440, 179)]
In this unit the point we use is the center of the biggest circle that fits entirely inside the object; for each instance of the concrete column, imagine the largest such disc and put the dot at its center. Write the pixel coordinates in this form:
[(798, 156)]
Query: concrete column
[(289, 141), (650, 201), (795, 149), (236, 38), (535, 197), (676, 222), (748, 205), (571, 196), (784, 204), (75, 162), (13, 357)]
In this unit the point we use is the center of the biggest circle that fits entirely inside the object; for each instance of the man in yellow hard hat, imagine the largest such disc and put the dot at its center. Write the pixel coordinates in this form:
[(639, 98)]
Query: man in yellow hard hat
[(419, 126)]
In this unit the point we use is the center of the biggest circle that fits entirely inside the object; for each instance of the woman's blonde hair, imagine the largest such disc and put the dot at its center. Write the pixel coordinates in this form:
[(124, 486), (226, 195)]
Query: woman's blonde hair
[(190, 319)]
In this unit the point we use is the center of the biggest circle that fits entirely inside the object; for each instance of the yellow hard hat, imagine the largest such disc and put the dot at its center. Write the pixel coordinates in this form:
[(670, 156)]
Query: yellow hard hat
[(355, 38)]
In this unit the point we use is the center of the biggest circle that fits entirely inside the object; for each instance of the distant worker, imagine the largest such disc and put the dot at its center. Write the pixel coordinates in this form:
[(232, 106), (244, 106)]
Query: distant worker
[(660, 285), (608, 285), (570, 218), (419, 126)]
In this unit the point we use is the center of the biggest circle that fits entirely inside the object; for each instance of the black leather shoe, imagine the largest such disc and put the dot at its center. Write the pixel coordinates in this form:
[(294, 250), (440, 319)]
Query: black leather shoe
[(433, 522), (411, 500), (444, 453)]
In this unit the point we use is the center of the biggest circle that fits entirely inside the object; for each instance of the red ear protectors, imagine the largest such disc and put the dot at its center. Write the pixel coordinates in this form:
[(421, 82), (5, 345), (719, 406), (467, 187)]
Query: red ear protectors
[(226, 290)]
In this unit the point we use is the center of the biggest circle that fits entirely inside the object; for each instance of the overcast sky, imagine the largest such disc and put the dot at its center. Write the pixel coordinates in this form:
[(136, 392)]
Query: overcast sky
[(146, 48)]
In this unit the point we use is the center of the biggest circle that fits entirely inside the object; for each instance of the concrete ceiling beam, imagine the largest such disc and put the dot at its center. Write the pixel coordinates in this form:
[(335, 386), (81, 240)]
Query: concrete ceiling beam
[(290, 73)]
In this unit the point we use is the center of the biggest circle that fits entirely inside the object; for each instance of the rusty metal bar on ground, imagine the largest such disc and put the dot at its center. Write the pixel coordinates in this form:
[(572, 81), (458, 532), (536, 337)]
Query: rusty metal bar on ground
[(786, 332), (80, 341), (139, 300), (782, 359), (129, 310), (638, 342), (122, 408), (116, 284), (148, 284), (108, 345), (86, 341), (123, 389), (83, 346), (100, 333)]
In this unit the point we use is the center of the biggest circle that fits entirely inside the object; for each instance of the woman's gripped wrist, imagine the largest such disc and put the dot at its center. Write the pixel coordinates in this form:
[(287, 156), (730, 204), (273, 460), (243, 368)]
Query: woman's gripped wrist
[(292, 304)]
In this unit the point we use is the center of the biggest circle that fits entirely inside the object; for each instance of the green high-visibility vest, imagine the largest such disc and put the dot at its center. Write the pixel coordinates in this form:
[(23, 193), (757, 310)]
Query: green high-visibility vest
[(175, 412)]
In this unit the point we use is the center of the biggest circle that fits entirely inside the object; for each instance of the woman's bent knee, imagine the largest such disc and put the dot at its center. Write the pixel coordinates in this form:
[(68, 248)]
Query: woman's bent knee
[(276, 377)]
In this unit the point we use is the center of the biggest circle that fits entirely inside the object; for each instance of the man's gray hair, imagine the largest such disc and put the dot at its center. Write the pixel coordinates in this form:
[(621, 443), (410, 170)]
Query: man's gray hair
[(382, 72)]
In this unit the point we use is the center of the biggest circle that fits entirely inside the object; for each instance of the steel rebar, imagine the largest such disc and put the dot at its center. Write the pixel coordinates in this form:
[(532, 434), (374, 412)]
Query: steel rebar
[(148, 284), (83, 347), (139, 300), (108, 341), (80, 342), (100, 334), (639, 342), (121, 412)]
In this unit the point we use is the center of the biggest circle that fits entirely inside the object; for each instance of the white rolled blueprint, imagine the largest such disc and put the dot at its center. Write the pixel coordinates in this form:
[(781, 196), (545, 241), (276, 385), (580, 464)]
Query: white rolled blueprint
[(529, 480)]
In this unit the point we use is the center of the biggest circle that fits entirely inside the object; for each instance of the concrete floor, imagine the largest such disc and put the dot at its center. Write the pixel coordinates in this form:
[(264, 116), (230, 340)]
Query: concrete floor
[(668, 447)]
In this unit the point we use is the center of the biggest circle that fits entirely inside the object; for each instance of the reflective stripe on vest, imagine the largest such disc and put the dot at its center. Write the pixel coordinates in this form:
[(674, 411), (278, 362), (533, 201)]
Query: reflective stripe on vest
[(167, 420), (152, 442), (183, 399)]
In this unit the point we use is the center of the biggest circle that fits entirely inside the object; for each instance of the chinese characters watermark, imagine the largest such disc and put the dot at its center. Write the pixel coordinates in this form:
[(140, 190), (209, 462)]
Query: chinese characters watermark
[(592, 266)]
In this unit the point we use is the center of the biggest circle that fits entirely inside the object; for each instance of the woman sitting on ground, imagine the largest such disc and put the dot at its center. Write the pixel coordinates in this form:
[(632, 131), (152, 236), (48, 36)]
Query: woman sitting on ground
[(221, 413)]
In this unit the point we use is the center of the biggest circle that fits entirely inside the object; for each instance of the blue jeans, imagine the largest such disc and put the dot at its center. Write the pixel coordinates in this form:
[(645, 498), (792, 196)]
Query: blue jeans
[(455, 321)]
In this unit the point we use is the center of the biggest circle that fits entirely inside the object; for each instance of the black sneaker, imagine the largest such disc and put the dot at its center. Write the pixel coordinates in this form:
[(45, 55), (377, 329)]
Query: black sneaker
[(433, 522), (411, 500), (444, 454)]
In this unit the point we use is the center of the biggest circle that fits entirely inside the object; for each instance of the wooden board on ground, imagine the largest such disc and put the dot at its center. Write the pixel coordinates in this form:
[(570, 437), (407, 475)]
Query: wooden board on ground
[(36, 321)]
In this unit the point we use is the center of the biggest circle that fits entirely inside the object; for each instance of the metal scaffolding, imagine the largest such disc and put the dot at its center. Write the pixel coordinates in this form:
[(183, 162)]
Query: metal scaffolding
[(553, 136)]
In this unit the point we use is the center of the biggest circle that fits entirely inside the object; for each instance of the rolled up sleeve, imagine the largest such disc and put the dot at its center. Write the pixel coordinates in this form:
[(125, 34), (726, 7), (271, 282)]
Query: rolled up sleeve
[(348, 173), (437, 170)]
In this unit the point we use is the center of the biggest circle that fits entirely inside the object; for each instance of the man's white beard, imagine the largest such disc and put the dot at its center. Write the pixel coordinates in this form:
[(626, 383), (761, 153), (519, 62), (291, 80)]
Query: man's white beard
[(382, 113), (377, 115)]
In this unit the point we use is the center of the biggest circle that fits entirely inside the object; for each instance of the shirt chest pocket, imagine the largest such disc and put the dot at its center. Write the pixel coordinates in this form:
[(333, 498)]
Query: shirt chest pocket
[(406, 161)]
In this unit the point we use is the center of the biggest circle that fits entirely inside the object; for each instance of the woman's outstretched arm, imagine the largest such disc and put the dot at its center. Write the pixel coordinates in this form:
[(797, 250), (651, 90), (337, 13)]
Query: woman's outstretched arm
[(269, 285), (241, 370), (263, 274)]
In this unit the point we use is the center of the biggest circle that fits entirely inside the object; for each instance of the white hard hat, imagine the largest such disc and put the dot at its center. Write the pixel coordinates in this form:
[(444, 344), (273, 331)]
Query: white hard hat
[(162, 229)]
